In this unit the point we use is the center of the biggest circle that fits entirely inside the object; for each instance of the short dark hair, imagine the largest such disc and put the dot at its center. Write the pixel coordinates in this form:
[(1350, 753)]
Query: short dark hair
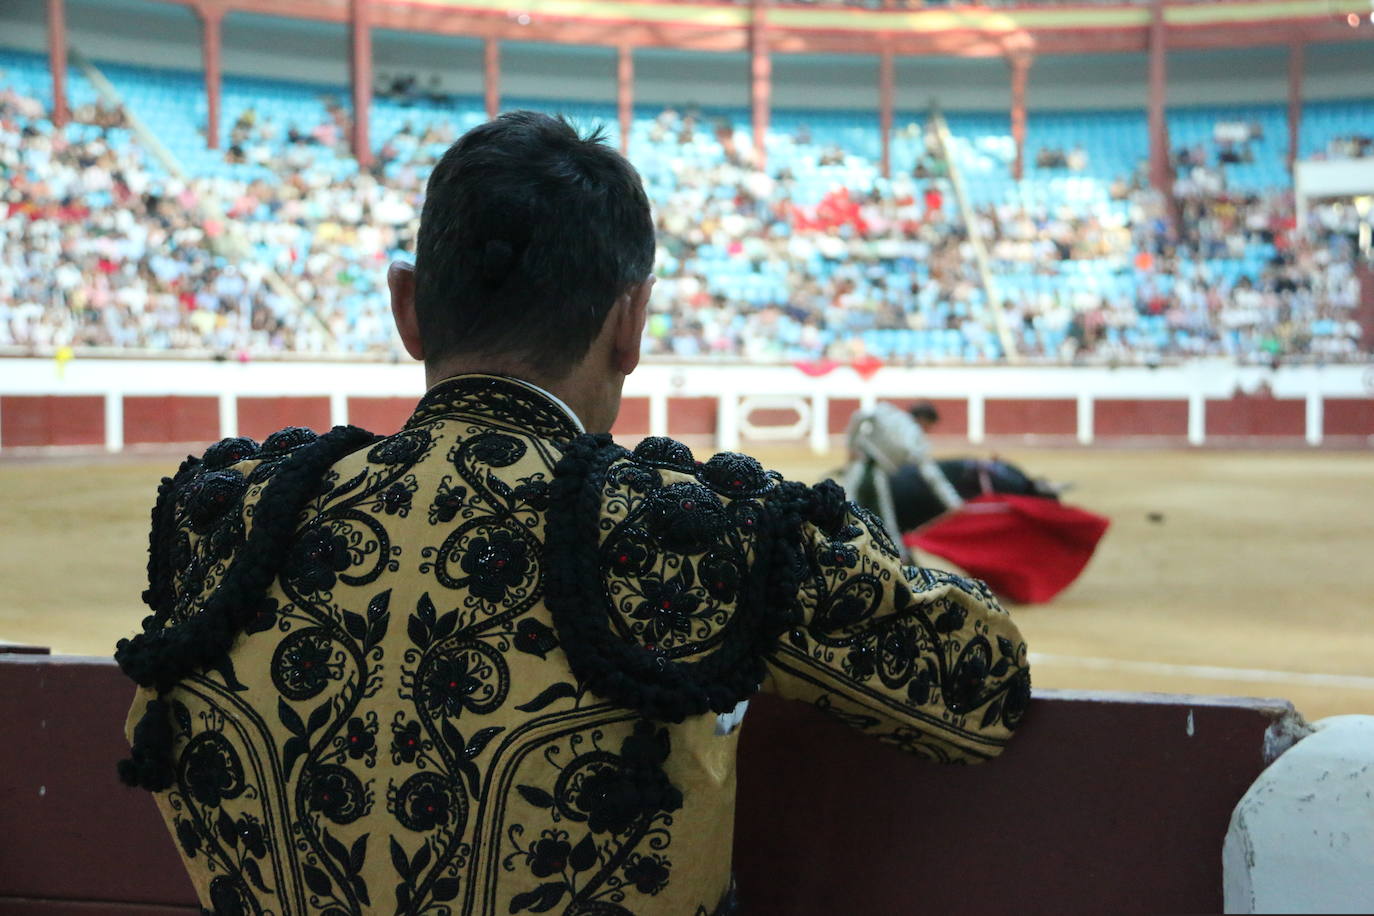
[(925, 411), (529, 234)]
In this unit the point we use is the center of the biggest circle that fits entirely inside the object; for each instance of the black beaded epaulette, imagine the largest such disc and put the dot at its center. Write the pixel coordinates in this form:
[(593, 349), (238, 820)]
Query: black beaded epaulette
[(169, 650), (684, 516)]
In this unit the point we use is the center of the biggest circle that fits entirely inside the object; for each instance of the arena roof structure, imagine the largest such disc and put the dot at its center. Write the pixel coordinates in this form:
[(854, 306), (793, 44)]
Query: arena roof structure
[(762, 28)]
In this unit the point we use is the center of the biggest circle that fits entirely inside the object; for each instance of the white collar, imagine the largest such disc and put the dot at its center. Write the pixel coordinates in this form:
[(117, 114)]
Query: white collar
[(577, 421)]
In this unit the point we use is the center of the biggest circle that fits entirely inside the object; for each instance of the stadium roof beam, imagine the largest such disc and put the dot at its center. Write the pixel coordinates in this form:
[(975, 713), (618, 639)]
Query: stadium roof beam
[(886, 90), (57, 59), (760, 78), (1297, 54), (625, 94), (1020, 63), (491, 75), (1158, 88), (360, 72), (211, 19)]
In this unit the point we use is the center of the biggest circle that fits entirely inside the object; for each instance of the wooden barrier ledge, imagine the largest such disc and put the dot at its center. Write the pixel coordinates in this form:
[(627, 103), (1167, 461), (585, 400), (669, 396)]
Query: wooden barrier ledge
[(1104, 803)]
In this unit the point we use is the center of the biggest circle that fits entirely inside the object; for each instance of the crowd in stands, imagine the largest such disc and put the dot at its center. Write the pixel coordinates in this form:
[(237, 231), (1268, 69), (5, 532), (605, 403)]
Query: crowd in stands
[(103, 246)]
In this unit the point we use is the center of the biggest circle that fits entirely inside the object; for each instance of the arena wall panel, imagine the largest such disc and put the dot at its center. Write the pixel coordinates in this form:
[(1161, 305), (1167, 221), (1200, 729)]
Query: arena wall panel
[(383, 416), (1027, 417), (1145, 804), (692, 416), (633, 421), (51, 420), (152, 419), (260, 417), (841, 409), (1138, 417), (1348, 417), (1264, 417)]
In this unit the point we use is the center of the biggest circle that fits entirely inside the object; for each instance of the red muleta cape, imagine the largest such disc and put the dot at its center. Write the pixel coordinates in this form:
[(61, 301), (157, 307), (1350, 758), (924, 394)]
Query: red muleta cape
[(1027, 549)]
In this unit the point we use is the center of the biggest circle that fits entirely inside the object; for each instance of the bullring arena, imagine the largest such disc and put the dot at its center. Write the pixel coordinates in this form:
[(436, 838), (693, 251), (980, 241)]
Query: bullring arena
[(1126, 245), (1233, 566)]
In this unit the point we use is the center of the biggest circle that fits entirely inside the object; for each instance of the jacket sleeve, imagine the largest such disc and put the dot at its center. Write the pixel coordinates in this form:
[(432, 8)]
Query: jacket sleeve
[(918, 658)]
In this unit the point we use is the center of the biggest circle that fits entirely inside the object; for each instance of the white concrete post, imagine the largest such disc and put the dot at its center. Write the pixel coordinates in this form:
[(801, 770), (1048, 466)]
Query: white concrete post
[(114, 421), (820, 423), (1085, 419), (658, 414), (1302, 838), (1315, 421), (975, 418), (727, 423), (228, 415), (1197, 418), (338, 409)]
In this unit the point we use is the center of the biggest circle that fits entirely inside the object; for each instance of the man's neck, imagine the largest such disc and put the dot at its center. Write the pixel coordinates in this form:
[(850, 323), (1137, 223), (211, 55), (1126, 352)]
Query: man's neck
[(578, 390)]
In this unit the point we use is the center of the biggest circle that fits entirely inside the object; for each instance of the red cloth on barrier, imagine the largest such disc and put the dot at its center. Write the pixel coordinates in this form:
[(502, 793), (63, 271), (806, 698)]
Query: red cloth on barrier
[(1025, 548)]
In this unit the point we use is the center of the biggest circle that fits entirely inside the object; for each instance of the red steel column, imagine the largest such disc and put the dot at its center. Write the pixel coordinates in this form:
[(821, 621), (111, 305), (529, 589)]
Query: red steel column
[(886, 84), (362, 81), (625, 94), (1297, 54), (492, 76), (57, 59), (1020, 71), (761, 80), (1159, 78), (210, 19)]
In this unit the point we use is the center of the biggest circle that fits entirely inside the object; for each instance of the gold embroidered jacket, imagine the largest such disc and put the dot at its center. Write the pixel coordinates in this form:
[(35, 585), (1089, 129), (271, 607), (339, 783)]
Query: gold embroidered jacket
[(488, 665)]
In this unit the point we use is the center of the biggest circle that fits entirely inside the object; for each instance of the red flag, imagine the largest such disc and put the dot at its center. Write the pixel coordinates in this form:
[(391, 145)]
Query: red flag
[(1026, 548)]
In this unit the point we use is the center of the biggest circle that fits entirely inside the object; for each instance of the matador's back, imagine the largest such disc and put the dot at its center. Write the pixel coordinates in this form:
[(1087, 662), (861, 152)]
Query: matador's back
[(492, 665)]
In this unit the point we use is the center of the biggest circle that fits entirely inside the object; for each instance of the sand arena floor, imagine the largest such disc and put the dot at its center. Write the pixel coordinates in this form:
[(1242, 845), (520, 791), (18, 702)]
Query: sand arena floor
[(1258, 580)]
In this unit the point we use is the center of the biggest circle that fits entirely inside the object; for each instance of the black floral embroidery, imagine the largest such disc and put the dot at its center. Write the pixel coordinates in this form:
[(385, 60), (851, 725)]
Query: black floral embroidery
[(535, 637), (447, 503), (403, 448), (317, 559), (424, 801), (450, 685), (497, 450), (210, 769), (396, 500), (336, 793), (648, 873), (284, 440), (407, 742), (686, 517), (550, 854), (211, 497), (495, 563), (359, 741), (229, 451), (189, 838), (736, 474), (303, 664), (659, 451)]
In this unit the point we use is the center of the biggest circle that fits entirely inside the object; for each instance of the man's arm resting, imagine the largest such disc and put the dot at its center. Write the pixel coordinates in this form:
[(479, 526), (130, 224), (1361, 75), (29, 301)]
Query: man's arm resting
[(918, 658)]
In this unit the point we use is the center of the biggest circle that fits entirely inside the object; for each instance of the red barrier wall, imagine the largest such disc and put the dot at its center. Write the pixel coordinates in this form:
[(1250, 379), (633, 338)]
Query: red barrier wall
[(170, 418), (1024, 417), (1125, 418), (841, 409), (633, 419), (1348, 417), (1103, 804), (51, 420), (1256, 416), (692, 416), (383, 416), (261, 417)]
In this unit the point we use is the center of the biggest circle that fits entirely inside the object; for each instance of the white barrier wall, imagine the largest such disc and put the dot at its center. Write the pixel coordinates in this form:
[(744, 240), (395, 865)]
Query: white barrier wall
[(114, 402)]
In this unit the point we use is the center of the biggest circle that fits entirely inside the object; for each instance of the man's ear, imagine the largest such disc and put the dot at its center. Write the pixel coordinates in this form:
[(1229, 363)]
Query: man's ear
[(631, 314), (400, 279)]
